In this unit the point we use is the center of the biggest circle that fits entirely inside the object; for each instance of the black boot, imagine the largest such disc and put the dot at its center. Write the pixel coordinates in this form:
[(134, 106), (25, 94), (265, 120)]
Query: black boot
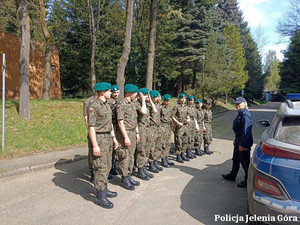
[(110, 194), (193, 154), (228, 176), (150, 175), (141, 174), (110, 176), (206, 151), (198, 152), (114, 169), (179, 159), (92, 176), (152, 168), (189, 154), (164, 162), (103, 201), (169, 162), (183, 157), (125, 183), (133, 182), (157, 166)]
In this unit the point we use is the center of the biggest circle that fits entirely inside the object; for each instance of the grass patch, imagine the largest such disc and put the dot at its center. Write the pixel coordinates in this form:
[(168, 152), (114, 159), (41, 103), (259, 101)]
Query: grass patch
[(53, 124)]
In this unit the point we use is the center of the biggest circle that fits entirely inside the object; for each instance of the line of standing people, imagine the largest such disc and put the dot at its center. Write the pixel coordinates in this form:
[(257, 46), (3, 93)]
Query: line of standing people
[(135, 132)]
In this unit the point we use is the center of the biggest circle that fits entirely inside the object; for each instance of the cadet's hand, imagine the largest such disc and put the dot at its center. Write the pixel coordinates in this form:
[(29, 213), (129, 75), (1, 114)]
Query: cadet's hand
[(204, 130), (180, 124), (127, 142), (138, 138), (96, 151), (115, 143), (241, 148), (197, 130), (143, 97)]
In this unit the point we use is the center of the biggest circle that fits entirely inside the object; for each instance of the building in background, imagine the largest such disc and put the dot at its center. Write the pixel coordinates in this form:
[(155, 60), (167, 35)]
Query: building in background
[(10, 45)]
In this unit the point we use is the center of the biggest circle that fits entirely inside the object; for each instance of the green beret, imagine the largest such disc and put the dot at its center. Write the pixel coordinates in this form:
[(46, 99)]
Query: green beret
[(130, 88), (154, 93), (166, 97), (115, 88), (182, 95), (103, 86), (198, 101), (190, 98), (145, 91)]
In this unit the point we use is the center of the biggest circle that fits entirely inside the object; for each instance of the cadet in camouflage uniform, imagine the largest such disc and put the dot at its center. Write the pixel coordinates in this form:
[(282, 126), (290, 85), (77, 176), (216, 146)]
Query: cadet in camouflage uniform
[(207, 131), (155, 129), (102, 138), (143, 150), (86, 105), (180, 117), (115, 91), (127, 136), (199, 134), (166, 126), (192, 126)]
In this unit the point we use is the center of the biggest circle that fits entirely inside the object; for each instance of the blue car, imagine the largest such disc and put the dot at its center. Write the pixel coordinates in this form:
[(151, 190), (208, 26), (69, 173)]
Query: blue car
[(273, 186)]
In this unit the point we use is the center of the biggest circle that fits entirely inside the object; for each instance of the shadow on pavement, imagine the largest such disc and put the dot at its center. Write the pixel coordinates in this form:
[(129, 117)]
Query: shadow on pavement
[(208, 195), (74, 177)]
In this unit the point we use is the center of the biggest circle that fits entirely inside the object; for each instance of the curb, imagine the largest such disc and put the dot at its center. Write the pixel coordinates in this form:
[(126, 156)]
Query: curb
[(28, 169)]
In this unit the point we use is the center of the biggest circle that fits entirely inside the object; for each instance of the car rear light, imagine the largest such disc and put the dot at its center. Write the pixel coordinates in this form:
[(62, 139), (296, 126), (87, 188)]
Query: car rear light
[(267, 186), (279, 152)]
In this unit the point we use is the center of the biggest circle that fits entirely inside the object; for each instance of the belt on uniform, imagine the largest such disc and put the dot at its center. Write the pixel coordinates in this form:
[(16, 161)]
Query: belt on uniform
[(103, 133)]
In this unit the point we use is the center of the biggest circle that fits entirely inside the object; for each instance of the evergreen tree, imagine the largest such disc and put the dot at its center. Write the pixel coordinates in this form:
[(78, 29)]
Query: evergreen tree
[(289, 70), (272, 72), (237, 74)]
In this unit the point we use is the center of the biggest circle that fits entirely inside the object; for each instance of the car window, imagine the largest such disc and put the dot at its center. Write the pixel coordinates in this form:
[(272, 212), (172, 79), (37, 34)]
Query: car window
[(288, 130)]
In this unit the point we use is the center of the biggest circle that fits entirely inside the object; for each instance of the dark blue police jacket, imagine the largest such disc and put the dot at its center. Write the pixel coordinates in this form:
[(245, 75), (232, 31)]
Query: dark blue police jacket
[(242, 128)]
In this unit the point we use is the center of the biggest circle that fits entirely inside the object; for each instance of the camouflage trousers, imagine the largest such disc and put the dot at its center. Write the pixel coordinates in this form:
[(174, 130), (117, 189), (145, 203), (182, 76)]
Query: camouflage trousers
[(199, 137), (207, 136), (90, 153), (166, 143), (191, 133), (155, 144), (126, 153), (181, 139), (142, 148), (102, 164)]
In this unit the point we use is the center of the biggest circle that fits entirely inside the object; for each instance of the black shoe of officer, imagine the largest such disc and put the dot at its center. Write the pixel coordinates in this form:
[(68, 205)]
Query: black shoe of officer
[(179, 159), (141, 174), (206, 151), (168, 161), (228, 177), (189, 154), (103, 201), (133, 182), (242, 184), (183, 157), (92, 176), (152, 168), (110, 194), (125, 183), (164, 163), (198, 152), (150, 175), (157, 166)]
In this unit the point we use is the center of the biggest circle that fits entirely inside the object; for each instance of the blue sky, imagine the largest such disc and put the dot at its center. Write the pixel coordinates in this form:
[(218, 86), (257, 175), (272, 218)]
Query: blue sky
[(266, 13)]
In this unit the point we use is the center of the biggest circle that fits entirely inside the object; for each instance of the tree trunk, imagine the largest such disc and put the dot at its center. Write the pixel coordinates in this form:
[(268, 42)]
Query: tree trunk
[(93, 35), (179, 83), (48, 52), (151, 45), (126, 48), (24, 59), (92, 43)]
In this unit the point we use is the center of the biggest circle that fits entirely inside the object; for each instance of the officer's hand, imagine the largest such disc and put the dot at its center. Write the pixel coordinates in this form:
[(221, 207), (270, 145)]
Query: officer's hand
[(116, 144), (138, 138), (127, 142), (233, 142), (241, 148), (180, 124), (96, 151)]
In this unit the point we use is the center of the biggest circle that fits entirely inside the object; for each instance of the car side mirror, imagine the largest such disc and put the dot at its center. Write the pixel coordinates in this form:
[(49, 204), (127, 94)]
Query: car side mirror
[(263, 123)]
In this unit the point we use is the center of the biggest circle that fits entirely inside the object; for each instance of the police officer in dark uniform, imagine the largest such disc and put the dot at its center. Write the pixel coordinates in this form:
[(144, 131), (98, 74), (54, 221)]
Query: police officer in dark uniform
[(242, 127)]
